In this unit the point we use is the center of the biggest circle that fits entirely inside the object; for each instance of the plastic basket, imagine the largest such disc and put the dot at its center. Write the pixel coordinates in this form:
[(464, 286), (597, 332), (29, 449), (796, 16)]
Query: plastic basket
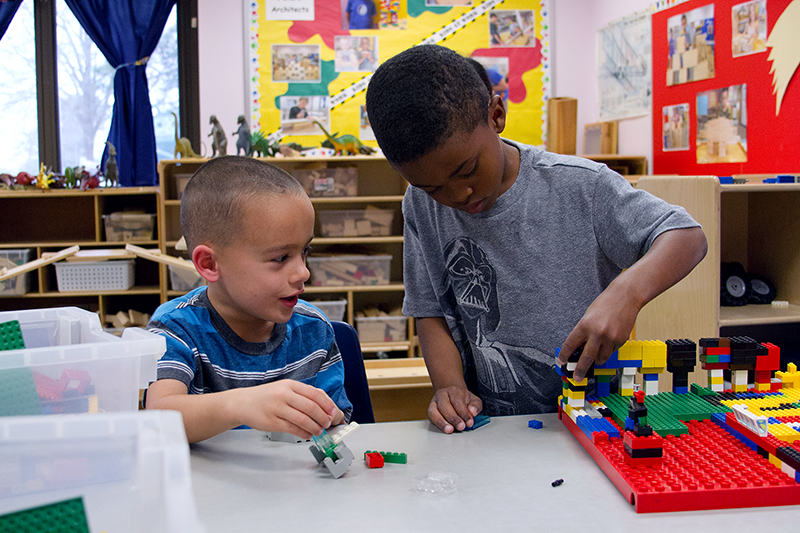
[(19, 284), (99, 276)]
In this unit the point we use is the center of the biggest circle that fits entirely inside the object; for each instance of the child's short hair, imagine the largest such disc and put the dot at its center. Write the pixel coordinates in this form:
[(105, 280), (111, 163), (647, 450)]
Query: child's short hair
[(213, 199), (421, 97)]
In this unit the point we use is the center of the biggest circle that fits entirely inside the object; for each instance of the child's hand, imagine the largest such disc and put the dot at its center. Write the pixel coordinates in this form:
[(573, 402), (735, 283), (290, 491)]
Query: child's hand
[(605, 326), (286, 405), (453, 408)]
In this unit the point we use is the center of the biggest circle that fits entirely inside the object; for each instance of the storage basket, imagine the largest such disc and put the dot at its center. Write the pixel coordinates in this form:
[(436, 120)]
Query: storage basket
[(99, 276)]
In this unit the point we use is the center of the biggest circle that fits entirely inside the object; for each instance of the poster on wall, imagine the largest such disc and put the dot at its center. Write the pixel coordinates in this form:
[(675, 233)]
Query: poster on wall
[(722, 125), (330, 60), (624, 68), (749, 28), (675, 121), (691, 46)]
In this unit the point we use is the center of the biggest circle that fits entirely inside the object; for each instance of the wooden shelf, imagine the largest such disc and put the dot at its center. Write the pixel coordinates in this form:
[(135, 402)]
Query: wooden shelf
[(358, 240), (397, 373), (151, 289), (357, 288), (357, 199), (756, 315)]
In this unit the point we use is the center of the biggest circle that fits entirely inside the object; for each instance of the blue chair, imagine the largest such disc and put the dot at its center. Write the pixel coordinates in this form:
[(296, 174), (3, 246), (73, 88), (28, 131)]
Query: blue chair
[(355, 376)]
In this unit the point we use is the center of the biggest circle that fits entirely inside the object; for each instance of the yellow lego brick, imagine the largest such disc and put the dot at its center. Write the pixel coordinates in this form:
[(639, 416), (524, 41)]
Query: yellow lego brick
[(774, 460), (575, 394), (790, 378), (630, 351), (716, 380), (739, 388), (762, 386), (654, 354), (582, 383), (626, 392), (605, 371), (784, 432), (652, 370)]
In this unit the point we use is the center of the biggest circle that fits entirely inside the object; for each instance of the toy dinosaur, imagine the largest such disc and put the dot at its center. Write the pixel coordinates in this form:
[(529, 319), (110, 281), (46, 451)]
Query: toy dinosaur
[(182, 144), (112, 172), (259, 143), (343, 143)]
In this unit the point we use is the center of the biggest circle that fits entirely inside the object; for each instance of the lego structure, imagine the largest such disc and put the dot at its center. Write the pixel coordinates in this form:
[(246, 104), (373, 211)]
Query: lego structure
[(332, 453), (733, 444)]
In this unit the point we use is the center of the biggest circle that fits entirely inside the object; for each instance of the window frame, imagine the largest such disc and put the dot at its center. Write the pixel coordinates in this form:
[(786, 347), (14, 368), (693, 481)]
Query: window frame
[(44, 15)]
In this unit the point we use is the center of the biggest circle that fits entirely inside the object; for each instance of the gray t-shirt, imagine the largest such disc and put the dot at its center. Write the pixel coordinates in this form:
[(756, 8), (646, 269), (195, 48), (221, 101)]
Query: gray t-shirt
[(513, 282)]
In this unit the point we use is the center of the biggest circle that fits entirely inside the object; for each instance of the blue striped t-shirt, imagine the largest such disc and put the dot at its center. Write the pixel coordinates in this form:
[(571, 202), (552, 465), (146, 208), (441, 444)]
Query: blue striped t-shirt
[(205, 354)]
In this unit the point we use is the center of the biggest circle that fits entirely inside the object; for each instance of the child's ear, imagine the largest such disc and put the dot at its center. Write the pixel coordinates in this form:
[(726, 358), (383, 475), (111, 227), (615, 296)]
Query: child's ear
[(497, 114), (205, 261)]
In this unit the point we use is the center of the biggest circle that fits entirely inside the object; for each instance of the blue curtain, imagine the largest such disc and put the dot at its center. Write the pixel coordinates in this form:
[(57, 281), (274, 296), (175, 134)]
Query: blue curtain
[(127, 32), (7, 12)]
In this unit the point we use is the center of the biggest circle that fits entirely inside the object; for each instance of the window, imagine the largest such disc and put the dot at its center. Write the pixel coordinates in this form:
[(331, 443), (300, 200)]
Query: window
[(85, 92)]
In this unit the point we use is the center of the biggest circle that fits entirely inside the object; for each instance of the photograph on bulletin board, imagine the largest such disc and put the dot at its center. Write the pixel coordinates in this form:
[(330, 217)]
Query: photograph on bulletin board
[(691, 46), (329, 57), (675, 119), (359, 15), (749, 28), (722, 125), (299, 113), (511, 28), (392, 15)]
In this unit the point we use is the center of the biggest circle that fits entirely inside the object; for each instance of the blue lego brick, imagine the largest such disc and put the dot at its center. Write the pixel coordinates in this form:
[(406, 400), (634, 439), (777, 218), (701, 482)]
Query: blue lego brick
[(726, 180), (680, 390), (559, 372), (636, 363), (613, 361), (535, 424), (478, 421), (628, 423), (770, 180), (650, 377), (603, 389), (785, 178)]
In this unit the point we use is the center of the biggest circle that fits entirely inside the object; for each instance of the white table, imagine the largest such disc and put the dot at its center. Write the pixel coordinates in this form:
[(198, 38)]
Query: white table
[(246, 483)]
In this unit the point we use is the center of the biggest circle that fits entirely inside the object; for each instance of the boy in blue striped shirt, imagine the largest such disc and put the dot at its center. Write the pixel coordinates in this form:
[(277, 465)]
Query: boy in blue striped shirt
[(246, 350)]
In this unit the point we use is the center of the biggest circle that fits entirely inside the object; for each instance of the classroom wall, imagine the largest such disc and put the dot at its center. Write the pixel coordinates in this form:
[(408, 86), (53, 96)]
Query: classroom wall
[(574, 28)]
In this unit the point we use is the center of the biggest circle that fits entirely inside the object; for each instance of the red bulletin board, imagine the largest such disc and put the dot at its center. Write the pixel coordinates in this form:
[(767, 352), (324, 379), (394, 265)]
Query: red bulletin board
[(773, 142)]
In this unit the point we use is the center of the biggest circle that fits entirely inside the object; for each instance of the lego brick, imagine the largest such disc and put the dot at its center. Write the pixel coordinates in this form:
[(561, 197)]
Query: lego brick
[(68, 516), (392, 457), (535, 424), (477, 422), (11, 336), (373, 460)]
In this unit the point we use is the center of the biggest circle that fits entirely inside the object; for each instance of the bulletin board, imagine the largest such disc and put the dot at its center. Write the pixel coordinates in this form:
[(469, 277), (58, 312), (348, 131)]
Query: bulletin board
[(740, 70), (310, 60)]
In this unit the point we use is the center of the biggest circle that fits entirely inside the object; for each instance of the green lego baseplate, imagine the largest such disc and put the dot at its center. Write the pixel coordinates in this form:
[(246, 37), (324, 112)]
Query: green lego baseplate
[(665, 410), (11, 336), (391, 457), (67, 516), (18, 396)]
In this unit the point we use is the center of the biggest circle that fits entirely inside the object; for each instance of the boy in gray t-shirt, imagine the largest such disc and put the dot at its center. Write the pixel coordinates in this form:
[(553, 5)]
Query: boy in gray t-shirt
[(509, 251)]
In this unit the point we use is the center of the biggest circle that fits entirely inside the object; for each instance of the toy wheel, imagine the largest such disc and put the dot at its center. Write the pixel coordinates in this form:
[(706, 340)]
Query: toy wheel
[(763, 290), (735, 289)]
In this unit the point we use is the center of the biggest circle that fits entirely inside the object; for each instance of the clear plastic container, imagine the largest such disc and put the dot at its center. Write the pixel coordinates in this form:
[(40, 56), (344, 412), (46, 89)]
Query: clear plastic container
[(70, 365), (344, 270), (18, 284), (356, 223), (95, 276), (382, 329), (184, 280), (129, 227), (328, 181), (131, 470), (333, 309)]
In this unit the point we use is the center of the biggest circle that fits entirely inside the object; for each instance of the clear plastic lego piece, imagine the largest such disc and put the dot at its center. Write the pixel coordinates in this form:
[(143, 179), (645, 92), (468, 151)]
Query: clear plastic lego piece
[(437, 482)]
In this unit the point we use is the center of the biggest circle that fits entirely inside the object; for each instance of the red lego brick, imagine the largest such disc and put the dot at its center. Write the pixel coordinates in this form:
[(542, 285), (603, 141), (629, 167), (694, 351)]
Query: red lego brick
[(714, 366), (373, 460), (716, 351), (642, 461), (642, 443), (771, 361), (48, 388), (599, 436), (76, 380)]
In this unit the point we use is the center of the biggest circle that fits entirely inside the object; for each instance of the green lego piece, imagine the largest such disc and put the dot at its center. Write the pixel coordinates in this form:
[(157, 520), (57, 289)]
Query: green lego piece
[(699, 390), (326, 445), (391, 457), (666, 410), (11, 336), (67, 516), (18, 396)]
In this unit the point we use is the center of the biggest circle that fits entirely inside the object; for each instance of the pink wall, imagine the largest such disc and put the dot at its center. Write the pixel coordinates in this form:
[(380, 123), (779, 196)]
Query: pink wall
[(574, 29)]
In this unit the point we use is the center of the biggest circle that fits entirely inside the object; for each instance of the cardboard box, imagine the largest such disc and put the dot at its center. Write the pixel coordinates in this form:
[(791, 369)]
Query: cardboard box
[(562, 124), (382, 329), (356, 223), (343, 270)]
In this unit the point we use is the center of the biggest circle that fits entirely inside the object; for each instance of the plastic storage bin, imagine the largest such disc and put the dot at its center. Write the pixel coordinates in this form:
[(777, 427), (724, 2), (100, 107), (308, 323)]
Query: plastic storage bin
[(70, 365), (99, 276), (328, 181), (184, 280), (382, 328), (131, 470), (343, 270), (356, 223), (18, 284), (129, 227), (333, 309)]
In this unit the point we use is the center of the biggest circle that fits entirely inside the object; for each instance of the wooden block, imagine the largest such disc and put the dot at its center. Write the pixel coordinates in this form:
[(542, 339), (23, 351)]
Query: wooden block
[(137, 318), (363, 227), (689, 58), (562, 124)]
